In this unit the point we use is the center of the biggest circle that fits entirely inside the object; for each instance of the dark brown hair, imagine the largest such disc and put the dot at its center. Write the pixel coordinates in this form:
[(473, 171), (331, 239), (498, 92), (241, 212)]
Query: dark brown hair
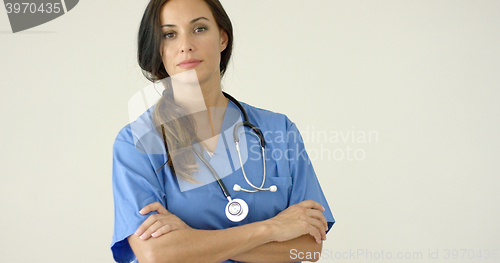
[(173, 122)]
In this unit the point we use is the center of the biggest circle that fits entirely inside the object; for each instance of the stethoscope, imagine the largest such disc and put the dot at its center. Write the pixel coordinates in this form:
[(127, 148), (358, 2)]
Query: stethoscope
[(237, 209)]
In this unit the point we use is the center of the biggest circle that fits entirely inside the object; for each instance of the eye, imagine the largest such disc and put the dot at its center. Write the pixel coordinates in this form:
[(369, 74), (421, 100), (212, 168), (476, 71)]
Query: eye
[(200, 29), (168, 35)]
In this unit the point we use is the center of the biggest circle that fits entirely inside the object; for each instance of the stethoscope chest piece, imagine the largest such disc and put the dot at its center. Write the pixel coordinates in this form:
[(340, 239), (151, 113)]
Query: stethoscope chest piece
[(236, 210)]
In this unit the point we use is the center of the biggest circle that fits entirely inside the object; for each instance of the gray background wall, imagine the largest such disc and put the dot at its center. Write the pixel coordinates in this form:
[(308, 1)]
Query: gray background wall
[(421, 75)]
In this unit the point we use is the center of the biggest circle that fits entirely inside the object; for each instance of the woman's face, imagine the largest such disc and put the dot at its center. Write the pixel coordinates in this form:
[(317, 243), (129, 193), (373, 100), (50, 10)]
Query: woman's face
[(191, 39)]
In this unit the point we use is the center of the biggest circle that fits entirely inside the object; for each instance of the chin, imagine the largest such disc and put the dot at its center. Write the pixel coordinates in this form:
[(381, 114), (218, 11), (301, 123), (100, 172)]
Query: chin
[(187, 77)]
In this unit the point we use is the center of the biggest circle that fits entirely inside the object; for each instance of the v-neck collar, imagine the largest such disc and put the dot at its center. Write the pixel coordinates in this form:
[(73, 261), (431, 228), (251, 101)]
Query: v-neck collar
[(220, 159), (225, 158)]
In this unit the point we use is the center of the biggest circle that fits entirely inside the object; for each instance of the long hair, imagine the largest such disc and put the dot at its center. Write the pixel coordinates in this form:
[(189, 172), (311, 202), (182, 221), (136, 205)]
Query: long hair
[(173, 122)]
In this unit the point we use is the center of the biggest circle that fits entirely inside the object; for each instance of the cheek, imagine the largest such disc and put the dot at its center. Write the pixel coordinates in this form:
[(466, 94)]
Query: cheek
[(168, 59), (214, 49)]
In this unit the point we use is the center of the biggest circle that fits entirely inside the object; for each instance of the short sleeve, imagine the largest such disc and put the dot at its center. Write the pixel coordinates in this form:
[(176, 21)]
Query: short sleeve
[(305, 184), (135, 185)]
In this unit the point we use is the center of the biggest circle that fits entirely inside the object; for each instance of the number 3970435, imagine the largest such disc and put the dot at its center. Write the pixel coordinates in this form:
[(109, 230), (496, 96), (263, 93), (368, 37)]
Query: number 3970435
[(33, 8)]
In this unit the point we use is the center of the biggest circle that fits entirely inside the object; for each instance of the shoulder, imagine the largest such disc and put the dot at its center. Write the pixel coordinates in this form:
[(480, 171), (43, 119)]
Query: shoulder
[(278, 130), (142, 134), (266, 119), (137, 128), (138, 149)]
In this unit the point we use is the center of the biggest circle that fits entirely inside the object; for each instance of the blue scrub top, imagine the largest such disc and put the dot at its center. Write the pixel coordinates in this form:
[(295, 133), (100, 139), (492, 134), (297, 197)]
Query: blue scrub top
[(138, 152)]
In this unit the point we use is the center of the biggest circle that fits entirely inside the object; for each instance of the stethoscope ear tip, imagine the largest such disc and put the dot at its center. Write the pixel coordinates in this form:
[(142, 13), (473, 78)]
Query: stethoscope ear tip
[(273, 188)]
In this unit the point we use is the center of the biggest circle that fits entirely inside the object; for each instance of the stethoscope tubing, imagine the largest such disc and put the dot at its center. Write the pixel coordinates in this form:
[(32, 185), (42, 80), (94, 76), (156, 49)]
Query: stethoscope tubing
[(216, 175), (258, 133), (239, 204)]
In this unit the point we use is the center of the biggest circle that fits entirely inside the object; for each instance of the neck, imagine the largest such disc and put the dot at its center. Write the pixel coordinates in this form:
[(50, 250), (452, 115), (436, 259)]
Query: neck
[(213, 97), (212, 92), (206, 103), (194, 96)]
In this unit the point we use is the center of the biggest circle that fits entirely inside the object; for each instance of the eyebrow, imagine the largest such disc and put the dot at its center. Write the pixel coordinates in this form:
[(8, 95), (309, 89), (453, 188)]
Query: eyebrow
[(192, 21)]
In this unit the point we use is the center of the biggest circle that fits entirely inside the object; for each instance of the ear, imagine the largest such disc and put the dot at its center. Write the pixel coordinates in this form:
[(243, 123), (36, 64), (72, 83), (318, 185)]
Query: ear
[(224, 39)]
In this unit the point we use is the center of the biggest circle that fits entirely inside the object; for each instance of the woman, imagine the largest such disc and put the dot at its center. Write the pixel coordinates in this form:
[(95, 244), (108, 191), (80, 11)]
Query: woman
[(166, 207)]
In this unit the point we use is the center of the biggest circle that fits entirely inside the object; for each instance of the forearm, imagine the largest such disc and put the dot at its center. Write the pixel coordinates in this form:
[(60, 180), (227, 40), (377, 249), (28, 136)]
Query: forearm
[(280, 251), (192, 245)]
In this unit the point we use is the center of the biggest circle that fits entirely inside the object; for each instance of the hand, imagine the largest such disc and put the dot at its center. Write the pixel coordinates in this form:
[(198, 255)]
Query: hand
[(158, 224), (300, 219)]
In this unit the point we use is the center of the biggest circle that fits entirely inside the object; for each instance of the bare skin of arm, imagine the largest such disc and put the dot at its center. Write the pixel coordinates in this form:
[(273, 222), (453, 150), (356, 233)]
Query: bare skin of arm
[(280, 251), (300, 227)]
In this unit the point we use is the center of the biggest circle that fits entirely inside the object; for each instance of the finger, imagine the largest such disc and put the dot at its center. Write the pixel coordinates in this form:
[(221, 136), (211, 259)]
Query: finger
[(146, 224), (315, 233), (311, 204), (156, 206), (162, 230), (153, 228), (315, 209), (318, 225), (318, 215)]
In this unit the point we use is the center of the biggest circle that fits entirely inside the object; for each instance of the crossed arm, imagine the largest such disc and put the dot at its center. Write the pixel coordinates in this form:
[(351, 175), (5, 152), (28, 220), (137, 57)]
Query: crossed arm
[(166, 238)]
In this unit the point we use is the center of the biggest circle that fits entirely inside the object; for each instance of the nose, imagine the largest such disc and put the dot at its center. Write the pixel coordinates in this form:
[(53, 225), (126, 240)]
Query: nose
[(186, 44)]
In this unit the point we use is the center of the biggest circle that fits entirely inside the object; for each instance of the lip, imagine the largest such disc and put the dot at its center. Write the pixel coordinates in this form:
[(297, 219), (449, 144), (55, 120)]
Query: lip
[(189, 63)]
